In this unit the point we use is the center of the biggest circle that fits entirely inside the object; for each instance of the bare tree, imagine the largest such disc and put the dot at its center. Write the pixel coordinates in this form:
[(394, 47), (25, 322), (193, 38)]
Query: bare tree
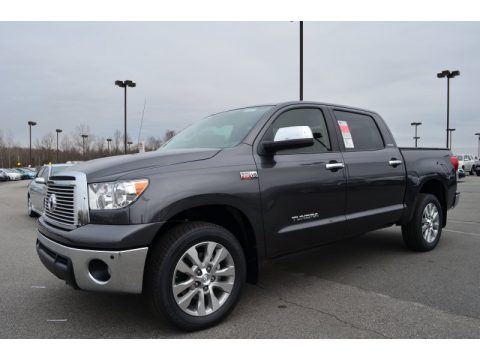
[(169, 134)]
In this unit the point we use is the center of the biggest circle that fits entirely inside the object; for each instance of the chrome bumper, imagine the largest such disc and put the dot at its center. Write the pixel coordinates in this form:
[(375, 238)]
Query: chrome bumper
[(456, 200), (125, 268)]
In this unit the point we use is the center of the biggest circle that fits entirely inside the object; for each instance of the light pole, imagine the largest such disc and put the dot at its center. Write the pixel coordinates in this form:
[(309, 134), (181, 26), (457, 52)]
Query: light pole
[(416, 124), (301, 60), (58, 132), (109, 140), (83, 141), (451, 133), (125, 84), (129, 143), (30, 124), (478, 150), (449, 75)]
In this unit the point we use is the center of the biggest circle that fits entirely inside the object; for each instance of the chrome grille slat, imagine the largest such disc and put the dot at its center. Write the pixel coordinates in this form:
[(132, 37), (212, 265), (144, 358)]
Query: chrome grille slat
[(63, 213)]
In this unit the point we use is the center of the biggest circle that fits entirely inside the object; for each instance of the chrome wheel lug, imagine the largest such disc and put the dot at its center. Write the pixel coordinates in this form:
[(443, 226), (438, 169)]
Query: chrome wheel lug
[(213, 278), (199, 272), (205, 288)]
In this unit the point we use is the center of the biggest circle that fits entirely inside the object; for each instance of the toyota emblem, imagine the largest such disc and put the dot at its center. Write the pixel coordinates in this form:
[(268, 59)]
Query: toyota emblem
[(52, 202)]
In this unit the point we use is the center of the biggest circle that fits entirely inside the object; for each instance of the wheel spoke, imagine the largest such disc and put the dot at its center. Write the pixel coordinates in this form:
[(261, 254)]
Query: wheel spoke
[(192, 254), (201, 304), (228, 271), (184, 268), (186, 299), (178, 288), (209, 253), (213, 300), (225, 286), (219, 256)]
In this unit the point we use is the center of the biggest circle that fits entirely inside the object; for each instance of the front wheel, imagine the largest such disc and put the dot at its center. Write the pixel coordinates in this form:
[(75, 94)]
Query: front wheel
[(194, 275), (30, 211), (423, 231)]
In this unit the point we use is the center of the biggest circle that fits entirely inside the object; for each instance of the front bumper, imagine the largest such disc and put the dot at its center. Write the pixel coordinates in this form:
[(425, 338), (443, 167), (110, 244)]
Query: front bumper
[(125, 268)]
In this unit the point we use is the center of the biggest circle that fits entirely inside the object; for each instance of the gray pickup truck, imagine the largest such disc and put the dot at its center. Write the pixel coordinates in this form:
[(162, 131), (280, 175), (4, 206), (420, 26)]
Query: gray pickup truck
[(188, 224)]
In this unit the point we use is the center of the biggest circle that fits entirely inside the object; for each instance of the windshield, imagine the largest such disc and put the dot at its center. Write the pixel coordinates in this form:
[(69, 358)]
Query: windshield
[(223, 130), (57, 169)]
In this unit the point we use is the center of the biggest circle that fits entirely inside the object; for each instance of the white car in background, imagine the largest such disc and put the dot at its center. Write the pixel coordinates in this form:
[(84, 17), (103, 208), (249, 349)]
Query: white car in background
[(466, 162), (12, 175)]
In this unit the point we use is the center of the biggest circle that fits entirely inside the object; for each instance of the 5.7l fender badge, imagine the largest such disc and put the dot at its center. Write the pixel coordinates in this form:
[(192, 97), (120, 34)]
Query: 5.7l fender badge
[(248, 175)]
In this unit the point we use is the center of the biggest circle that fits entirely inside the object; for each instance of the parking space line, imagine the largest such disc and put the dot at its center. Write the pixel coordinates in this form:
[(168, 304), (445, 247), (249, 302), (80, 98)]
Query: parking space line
[(38, 287), (56, 320), (462, 232)]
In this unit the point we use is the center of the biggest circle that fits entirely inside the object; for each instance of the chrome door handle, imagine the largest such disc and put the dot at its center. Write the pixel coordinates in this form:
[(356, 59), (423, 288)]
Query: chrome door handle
[(395, 162), (334, 166)]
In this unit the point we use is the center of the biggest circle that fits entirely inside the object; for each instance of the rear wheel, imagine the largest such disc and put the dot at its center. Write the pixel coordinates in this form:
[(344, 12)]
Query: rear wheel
[(471, 171), (423, 231), (194, 275)]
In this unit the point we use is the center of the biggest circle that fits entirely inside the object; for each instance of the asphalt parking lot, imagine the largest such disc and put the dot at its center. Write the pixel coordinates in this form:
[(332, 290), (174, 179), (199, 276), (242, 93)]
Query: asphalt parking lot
[(358, 288)]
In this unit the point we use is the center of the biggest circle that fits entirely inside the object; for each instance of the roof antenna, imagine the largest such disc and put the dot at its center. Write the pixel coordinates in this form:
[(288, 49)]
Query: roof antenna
[(141, 121)]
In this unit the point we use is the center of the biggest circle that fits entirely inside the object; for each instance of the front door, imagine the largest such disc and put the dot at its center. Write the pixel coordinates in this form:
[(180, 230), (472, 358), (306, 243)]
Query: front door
[(303, 190)]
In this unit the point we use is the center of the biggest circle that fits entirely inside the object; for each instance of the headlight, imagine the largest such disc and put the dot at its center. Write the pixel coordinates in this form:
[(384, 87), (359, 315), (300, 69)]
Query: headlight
[(115, 195)]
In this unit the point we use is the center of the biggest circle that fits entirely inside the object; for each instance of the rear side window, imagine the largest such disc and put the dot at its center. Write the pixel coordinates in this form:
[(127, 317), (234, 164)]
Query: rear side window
[(303, 117), (360, 132)]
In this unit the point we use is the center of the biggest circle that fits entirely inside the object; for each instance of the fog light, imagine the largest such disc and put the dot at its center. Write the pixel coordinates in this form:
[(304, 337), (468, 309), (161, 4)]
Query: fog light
[(99, 270)]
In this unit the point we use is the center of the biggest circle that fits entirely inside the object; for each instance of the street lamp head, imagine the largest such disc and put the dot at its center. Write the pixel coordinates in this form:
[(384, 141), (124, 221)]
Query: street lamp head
[(84, 136), (119, 83), (129, 83), (415, 123), (443, 74), (454, 73), (477, 134), (109, 139), (451, 129), (58, 130), (32, 123), (129, 143)]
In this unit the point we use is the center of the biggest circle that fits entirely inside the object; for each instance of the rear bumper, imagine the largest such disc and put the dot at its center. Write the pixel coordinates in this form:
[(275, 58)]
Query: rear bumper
[(125, 268)]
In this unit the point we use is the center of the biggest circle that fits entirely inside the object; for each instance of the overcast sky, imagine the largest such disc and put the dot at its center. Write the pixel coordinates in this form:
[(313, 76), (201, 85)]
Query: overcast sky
[(62, 74)]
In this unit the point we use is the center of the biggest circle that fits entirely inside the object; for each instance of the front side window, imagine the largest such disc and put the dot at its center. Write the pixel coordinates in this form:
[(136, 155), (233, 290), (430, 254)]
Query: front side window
[(223, 130), (359, 131), (303, 117)]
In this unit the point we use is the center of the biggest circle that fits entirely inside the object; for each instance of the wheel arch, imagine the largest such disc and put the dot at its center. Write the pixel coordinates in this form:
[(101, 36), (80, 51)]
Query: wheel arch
[(438, 189), (229, 217)]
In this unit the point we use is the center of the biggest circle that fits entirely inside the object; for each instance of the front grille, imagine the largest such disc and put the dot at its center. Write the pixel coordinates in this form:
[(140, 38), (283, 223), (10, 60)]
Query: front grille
[(60, 204)]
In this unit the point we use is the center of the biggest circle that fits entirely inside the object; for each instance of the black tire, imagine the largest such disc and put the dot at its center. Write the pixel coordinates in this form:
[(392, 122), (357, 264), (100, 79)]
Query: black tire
[(471, 171), (478, 173), (160, 267), (412, 232)]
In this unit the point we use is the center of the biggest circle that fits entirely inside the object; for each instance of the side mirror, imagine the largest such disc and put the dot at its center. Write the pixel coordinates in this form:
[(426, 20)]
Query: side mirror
[(291, 137), (40, 180)]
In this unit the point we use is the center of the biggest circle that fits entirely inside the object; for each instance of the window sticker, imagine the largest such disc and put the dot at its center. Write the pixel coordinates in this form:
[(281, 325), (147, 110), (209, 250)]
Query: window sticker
[(347, 136)]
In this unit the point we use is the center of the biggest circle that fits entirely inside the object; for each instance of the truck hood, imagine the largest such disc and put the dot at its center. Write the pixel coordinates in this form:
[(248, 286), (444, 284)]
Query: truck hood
[(111, 168)]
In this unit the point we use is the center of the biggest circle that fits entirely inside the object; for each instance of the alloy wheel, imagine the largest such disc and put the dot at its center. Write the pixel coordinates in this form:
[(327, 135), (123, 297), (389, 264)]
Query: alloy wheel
[(203, 278), (430, 222)]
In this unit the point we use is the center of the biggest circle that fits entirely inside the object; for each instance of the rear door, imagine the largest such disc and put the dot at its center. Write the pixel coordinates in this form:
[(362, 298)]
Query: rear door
[(303, 190), (375, 170)]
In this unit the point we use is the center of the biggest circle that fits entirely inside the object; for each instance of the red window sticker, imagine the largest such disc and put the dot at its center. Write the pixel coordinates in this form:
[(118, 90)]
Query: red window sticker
[(347, 136)]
